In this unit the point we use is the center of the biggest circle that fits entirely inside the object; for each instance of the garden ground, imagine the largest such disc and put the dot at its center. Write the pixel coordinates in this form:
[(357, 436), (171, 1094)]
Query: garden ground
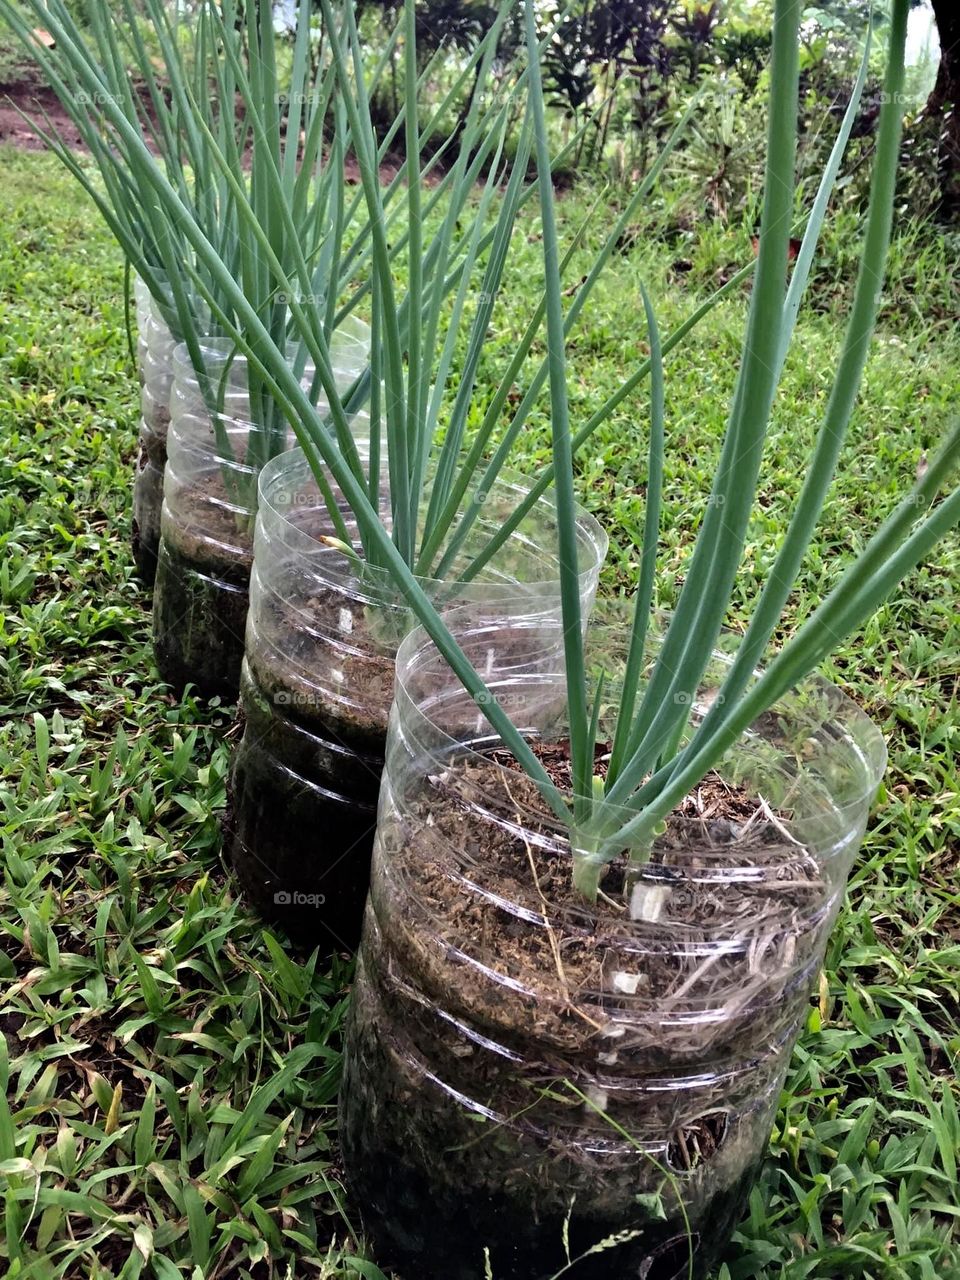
[(172, 1068)]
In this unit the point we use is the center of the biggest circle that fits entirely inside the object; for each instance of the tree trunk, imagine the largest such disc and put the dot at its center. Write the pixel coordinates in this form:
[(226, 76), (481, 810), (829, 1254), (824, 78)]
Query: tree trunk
[(943, 105)]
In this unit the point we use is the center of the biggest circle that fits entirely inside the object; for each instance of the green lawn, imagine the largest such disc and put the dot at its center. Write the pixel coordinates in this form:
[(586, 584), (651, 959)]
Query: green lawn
[(171, 1069)]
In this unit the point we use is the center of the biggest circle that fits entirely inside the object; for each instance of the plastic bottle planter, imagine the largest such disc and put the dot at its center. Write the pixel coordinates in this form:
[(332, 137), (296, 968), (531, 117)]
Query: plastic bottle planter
[(317, 690), (141, 301), (522, 1066), (155, 347), (209, 505)]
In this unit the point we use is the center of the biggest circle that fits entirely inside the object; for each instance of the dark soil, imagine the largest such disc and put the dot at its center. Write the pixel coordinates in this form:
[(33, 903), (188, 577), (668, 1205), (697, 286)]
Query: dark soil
[(300, 826), (316, 692), (777, 901), (443, 1175), (199, 612), (491, 1001), (148, 501), (200, 601), (34, 99), (302, 632), (145, 525), (26, 91)]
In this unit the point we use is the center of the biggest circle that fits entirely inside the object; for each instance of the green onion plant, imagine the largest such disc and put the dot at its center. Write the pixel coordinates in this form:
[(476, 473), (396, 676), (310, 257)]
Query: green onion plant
[(649, 771), (256, 161), (186, 108), (228, 127), (421, 460), (267, 278), (657, 756)]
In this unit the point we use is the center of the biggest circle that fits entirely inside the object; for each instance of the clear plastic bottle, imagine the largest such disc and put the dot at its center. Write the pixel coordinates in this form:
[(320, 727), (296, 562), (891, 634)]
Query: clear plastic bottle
[(155, 347), (531, 1073), (318, 685), (208, 513)]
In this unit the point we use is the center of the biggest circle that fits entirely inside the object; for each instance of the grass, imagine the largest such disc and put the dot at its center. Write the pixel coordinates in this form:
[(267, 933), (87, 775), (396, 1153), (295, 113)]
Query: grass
[(172, 1068)]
